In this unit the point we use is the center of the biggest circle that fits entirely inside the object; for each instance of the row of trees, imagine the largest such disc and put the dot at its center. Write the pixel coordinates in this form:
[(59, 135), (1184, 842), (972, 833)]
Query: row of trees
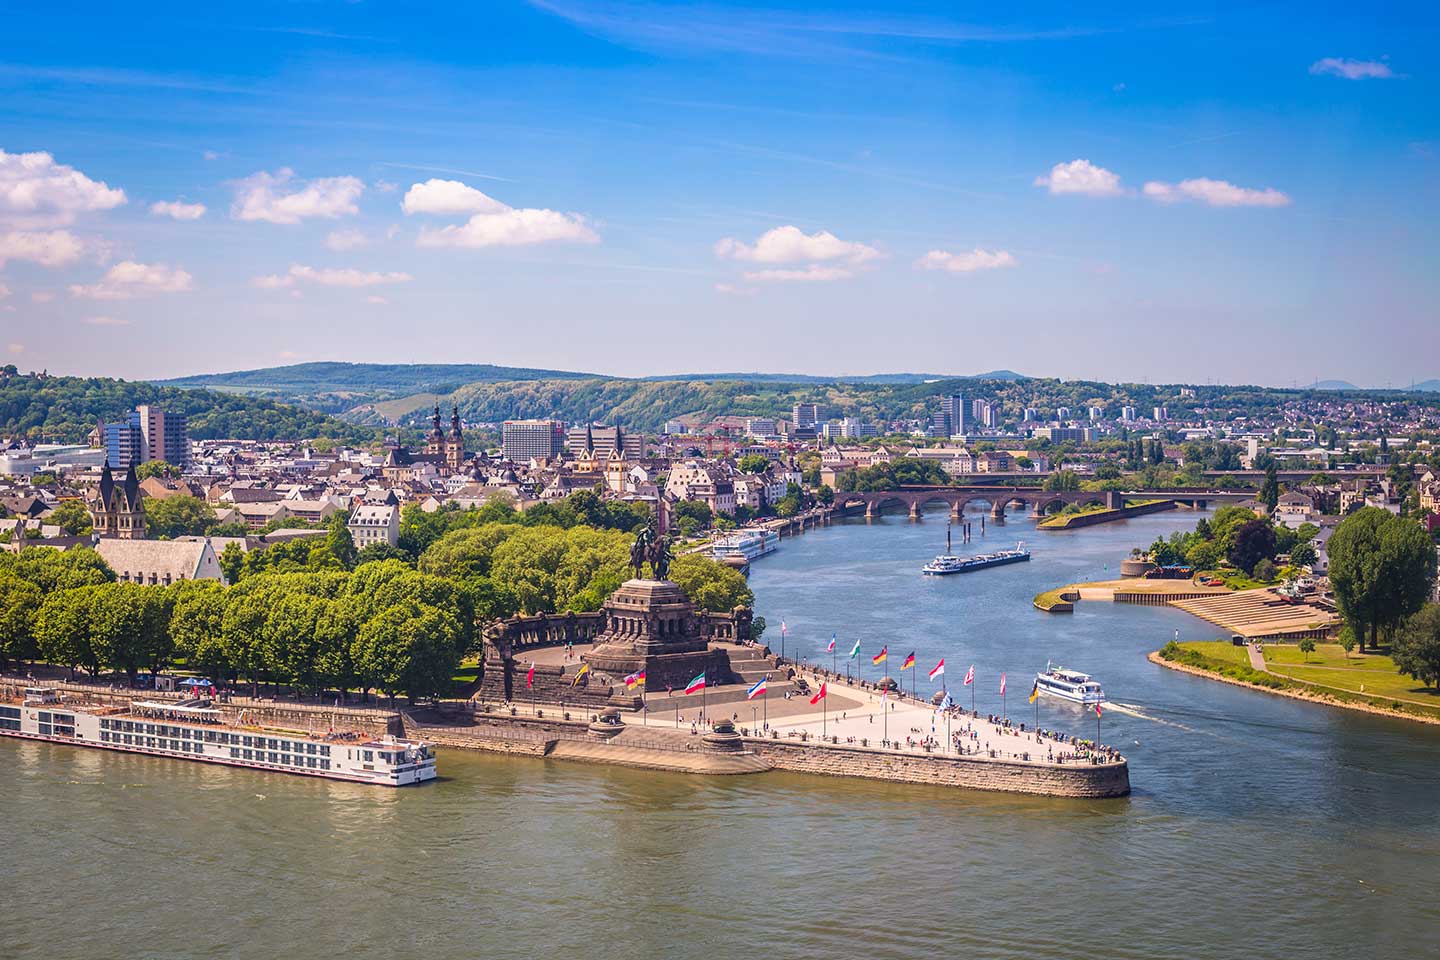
[(1236, 535), (314, 614)]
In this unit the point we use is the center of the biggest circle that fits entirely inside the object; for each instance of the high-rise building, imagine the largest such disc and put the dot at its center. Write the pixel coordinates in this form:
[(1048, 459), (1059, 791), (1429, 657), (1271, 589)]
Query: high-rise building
[(524, 440), (985, 413), (149, 433), (1030, 414), (1127, 413), (1062, 413), (806, 414), (760, 426), (1161, 413), (951, 419), (600, 442), (1097, 413)]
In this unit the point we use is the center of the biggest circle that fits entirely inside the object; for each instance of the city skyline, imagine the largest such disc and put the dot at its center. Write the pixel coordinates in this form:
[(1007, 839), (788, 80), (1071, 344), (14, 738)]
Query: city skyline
[(643, 189)]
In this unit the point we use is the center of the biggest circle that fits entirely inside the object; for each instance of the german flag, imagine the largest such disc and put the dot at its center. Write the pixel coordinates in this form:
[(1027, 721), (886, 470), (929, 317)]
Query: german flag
[(882, 656), (909, 662)]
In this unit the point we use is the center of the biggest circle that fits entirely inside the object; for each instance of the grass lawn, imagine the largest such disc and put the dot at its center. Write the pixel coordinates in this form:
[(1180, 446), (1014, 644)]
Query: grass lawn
[(1219, 650), (1328, 667)]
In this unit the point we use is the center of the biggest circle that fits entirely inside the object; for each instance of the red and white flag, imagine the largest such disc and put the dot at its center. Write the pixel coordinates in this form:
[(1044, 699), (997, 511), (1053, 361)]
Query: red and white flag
[(939, 669), (970, 675), (819, 694), (1097, 708), (1002, 683), (530, 677)]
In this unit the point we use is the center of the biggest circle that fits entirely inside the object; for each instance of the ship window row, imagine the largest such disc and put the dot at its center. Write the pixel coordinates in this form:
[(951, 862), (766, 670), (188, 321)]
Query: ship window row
[(7, 724), (11, 713), (154, 743), (283, 759), (216, 736)]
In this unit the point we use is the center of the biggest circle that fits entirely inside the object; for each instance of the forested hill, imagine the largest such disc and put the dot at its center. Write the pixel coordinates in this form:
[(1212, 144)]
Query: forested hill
[(65, 409), (366, 379)]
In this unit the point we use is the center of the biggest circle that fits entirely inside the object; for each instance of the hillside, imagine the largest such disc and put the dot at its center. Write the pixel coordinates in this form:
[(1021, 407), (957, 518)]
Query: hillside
[(66, 409)]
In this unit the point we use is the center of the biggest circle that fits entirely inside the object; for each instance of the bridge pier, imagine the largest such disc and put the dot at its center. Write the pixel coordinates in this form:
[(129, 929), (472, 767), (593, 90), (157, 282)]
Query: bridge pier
[(914, 510)]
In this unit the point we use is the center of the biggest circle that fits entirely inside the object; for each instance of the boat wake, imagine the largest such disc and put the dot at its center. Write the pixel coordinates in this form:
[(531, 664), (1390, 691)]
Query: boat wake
[(1134, 710)]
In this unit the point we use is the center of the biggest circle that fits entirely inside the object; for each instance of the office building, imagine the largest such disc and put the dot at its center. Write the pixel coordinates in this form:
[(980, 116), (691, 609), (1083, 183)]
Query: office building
[(1127, 413), (806, 415), (148, 433), (525, 440)]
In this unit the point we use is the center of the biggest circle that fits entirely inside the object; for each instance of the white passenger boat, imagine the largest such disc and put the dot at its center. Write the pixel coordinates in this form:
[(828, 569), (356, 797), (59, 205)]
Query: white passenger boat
[(1070, 685), (194, 730), (745, 545)]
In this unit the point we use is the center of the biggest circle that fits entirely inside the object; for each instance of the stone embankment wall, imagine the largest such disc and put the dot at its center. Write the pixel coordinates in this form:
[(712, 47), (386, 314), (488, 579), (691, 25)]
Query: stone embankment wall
[(1105, 516), (1077, 779)]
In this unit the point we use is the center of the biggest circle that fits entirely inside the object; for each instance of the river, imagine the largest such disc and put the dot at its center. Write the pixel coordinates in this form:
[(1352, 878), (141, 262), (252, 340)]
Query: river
[(1258, 826)]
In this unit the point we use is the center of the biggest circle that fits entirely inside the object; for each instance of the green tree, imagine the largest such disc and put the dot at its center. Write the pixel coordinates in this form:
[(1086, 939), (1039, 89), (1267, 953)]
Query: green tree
[(1270, 488), (709, 584), (196, 623), (72, 517), (1303, 555), (1062, 480), (178, 516), (20, 602), (1307, 647), (62, 629), (1381, 569), (1254, 541), (753, 463), (155, 468), (232, 563), (1416, 649)]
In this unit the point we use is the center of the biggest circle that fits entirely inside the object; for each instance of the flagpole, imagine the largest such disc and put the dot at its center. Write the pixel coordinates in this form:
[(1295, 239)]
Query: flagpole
[(825, 710)]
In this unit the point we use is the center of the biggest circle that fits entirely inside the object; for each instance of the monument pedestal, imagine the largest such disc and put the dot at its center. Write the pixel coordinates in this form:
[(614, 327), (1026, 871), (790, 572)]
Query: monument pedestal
[(651, 625)]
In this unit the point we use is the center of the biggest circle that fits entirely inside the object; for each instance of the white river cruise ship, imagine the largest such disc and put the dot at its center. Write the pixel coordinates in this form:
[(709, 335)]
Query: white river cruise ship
[(193, 730)]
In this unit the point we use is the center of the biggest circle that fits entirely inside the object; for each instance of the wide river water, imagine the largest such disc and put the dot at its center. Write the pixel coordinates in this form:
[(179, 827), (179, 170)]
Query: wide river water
[(1258, 827)]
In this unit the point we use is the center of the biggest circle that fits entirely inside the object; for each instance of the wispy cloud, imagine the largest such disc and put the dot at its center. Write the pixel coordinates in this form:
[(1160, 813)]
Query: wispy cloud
[(430, 169), (796, 35), (113, 77), (1348, 69)]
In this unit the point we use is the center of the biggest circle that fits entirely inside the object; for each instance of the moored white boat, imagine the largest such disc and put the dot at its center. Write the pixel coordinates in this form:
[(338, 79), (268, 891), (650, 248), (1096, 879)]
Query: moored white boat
[(193, 730)]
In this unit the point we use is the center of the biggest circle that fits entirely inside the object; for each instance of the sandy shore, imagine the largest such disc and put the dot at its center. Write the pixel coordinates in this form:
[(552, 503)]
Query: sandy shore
[(1308, 695)]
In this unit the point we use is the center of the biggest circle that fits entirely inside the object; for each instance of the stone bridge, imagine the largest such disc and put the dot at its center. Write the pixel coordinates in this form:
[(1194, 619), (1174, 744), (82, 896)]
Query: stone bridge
[(999, 499)]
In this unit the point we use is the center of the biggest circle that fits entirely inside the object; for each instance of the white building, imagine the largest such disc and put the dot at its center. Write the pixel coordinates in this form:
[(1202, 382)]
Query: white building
[(374, 523), (160, 562)]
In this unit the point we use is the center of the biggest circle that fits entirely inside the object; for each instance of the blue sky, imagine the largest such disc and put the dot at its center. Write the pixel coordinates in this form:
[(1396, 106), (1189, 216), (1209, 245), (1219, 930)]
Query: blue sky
[(1156, 192)]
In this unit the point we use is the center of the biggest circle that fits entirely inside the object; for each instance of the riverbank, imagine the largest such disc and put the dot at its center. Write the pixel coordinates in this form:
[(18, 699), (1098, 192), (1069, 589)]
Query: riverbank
[(1088, 518), (1243, 675), (1125, 590)]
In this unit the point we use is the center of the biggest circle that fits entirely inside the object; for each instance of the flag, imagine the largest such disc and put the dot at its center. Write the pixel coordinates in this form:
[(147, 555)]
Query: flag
[(1002, 683), (580, 673), (782, 628), (882, 656), (855, 650), (1035, 691), (831, 648), (939, 669), (1097, 709), (970, 675), (756, 691), (697, 684), (634, 680), (944, 704), (909, 662), (819, 694), (530, 677)]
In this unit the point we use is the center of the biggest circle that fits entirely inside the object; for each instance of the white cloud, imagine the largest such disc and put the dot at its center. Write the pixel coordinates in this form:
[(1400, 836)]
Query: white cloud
[(511, 228), (15, 349), (346, 239), (448, 197), (734, 290), (1352, 69), (329, 277), (813, 273), (36, 193), (492, 223), (287, 355), (280, 198), (1216, 193), (41, 296), (1082, 177), (379, 301), (211, 155), (967, 262), (178, 210), (4, 291), (130, 279), (52, 248), (104, 321), (790, 244)]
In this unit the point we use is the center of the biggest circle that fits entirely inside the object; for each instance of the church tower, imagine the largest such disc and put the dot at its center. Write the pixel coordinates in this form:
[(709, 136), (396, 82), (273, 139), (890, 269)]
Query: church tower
[(435, 439), (455, 443), (117, 509)]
